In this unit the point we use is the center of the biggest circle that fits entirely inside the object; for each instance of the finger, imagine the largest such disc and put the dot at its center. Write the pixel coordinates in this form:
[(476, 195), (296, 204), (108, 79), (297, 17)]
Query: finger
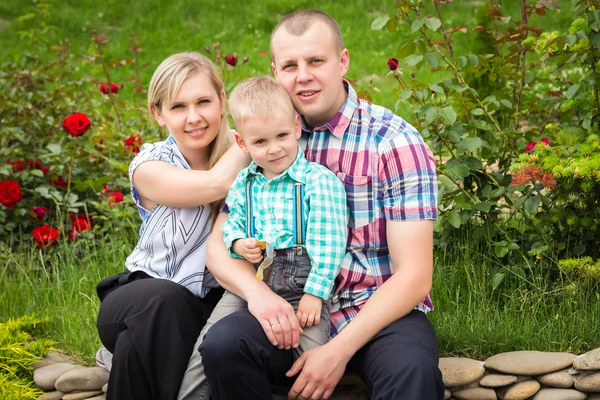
[(327, 394), (287, 333), (308, 391), (266, 325), (278, 333), (317, 319), (318, 393), (310, 320), (297, 366), (294, 327), (304, 321)]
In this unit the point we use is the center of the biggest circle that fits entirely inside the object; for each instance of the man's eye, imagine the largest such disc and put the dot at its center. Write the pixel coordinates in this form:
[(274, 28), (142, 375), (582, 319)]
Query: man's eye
[(204, 101), (288, 66), (315, 61)]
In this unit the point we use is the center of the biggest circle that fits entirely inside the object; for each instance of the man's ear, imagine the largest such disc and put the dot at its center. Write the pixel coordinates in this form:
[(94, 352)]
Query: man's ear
[(157, 115), (344, 61), (241, 143)]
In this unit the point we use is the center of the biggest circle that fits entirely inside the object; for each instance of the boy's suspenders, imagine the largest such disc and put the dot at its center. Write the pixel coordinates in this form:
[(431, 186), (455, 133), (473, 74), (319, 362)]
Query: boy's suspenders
[(300, 228)]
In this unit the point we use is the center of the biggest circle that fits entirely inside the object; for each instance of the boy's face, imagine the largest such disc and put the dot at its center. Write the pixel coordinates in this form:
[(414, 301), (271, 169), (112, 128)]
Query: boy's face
[(311, 68), (271, 141)]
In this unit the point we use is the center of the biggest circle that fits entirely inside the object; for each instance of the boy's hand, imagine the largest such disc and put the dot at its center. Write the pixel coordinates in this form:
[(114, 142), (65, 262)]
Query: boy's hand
[(249, 249), (309, 310)]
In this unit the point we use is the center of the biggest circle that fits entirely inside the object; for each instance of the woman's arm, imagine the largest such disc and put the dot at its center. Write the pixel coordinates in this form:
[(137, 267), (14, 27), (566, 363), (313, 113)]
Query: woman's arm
[(160, 183)]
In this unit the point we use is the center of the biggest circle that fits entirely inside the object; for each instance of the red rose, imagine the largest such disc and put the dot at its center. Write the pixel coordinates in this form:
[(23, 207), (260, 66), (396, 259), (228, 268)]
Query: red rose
[(59, 182), (40, 211), (76, 124), (111, 88), (36, 163), (232, 60), (115, 198), (81, 222), (10, 193), (546, 141), (393, 64), (17, 166), (530, 146), (45, 236), (105, 189), (133, 144)]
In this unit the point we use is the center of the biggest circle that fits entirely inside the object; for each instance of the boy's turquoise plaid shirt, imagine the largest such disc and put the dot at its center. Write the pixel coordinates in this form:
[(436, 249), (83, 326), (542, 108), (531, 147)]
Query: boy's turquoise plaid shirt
[(325, 216)]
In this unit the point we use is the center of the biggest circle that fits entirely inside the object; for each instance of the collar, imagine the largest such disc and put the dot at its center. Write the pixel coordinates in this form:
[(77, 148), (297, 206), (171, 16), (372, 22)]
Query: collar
[(296, 171), (340, 121)]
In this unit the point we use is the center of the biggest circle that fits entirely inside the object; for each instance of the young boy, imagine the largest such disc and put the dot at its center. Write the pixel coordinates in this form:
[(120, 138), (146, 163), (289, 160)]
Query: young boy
[(282, 200)]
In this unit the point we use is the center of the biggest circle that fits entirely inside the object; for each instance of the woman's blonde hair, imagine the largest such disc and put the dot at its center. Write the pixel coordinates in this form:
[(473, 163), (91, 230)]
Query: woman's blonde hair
[(166, 82)]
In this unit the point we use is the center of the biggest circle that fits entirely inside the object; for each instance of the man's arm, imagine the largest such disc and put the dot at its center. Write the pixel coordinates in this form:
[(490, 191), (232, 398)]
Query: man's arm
[(411, 249), (275, 315)]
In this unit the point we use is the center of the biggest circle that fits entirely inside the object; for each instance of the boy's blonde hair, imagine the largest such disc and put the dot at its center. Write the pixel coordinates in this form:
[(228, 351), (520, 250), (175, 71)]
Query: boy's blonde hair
[(260, 96), (164, 86), (300, 21)]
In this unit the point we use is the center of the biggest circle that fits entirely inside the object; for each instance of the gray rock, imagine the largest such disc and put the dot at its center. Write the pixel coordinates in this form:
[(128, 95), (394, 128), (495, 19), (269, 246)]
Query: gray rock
[(52, 358), (497, 380), (588, 383), (460, 371), (588, 361), (593, 396), (46, 377), (81, 395), (56, 395), (529, 362), (560, 379), (447, 394), (105, 388), (519, 391), (558, 394), (92, 378), (474, 393)]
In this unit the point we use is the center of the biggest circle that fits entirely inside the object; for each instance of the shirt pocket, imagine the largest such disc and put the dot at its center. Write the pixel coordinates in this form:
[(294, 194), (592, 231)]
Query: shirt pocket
[(359, 195)]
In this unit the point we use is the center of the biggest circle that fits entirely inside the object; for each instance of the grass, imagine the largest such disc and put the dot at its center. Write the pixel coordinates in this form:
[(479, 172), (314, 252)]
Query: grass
[(165, 28), (471, 319)]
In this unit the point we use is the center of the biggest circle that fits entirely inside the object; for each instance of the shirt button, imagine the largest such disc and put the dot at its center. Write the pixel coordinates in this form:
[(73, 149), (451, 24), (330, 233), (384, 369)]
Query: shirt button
[(314, 152), (268, 186)]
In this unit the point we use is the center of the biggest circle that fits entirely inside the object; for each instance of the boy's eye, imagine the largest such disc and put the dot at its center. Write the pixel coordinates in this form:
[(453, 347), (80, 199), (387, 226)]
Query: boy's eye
[(259, 141), (282, 135)]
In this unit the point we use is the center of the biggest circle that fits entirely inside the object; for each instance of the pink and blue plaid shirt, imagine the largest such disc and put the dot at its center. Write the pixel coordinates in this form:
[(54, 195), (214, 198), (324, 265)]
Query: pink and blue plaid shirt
[(389, 174)]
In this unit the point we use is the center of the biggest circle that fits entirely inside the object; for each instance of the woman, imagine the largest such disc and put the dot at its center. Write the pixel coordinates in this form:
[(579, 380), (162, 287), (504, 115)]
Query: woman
[(152, 314)]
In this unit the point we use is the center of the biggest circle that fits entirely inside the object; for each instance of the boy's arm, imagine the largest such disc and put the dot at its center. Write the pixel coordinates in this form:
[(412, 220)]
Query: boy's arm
[(235, 226), (326, 233)]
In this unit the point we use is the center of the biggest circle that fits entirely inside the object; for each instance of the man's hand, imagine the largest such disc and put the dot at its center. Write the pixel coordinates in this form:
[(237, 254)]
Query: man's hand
[(277, 318), (248, 248), (309, 310), (322, 368)]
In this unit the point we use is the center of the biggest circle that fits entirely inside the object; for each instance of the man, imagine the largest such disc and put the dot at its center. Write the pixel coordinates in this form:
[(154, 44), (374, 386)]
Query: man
[(386, 275)]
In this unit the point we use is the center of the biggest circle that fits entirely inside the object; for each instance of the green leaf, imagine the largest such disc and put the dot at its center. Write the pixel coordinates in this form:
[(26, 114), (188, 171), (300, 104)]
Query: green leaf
[(392, 25), (459, 89), (498, 192), (432, 60), (500, 251), (513, 246), (470, 144), (379, 22), (487, 191), (447, 182), (506, 103), (484, 207), (474, 164), (404, 95), (497, 280), (55, 148), (413, 59), (570, 40), (433, 23), (448, 115), (462, 61), (473, 59), (532, 204), (436, 88), (406, 49), (454, 219), (460, 170), (477, 111), (36, 172), (416, 25), (572, 90), (579, 250), (431, 114)]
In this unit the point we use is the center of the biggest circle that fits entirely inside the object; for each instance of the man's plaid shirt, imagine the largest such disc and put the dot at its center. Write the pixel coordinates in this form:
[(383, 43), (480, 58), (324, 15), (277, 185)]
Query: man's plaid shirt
[(389, 174), (325, 216)]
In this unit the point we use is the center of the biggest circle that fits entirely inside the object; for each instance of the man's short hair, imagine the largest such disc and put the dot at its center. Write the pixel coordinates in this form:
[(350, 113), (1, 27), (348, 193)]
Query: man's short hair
[(300, 21), (260, 96)]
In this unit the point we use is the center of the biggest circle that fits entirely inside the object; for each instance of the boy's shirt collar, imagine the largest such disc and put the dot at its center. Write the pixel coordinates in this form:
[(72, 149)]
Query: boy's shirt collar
[(340, 121), (296, 171)]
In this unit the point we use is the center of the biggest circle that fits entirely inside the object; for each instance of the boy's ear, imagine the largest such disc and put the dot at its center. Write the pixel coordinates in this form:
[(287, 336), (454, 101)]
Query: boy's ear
[(273, 69), (241, 143), (298, 126)]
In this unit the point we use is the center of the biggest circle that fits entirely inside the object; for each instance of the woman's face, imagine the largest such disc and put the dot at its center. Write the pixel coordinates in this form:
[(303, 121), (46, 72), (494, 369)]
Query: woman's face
[(194, 117)]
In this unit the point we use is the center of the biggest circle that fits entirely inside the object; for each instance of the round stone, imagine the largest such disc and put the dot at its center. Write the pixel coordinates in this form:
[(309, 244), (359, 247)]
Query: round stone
[(519, 391), (52, 358), (588, 361), (81, 395), (497, 380), (105, 388), (588, 383), (45, 377), (447, 394), (474, 393), (92, 378), (559, 394), (56, 395), (529, 362), (460, 371), (559, 379), (593, 396)]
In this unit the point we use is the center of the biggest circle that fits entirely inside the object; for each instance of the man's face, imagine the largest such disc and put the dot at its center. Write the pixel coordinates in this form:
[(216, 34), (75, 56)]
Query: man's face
[(310, 68)]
